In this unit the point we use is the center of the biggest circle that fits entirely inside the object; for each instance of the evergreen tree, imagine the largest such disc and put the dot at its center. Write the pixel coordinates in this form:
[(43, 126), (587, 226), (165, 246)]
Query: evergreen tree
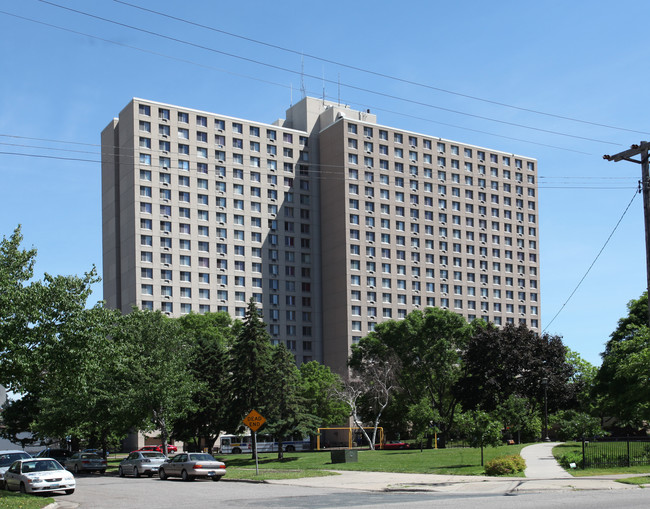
[(287, 413), (251, 365)]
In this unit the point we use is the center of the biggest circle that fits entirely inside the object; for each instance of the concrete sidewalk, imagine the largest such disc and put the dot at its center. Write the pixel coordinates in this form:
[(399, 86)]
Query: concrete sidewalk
[(540, 463), (542, 474)]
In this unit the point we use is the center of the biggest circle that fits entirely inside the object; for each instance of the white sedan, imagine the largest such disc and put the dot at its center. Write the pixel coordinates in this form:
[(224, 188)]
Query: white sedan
[(189, 466), (39, 475)]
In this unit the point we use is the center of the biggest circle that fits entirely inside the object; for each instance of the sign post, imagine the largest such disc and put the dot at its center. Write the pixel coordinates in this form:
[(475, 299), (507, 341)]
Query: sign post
[(254, 421)]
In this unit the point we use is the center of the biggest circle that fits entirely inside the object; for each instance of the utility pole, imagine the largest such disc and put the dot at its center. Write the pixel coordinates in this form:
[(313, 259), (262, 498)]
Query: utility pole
[(640, 150)]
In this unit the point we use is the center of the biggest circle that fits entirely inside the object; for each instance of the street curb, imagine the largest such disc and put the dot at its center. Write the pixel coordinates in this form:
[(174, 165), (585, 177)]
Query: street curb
[(249, 481)]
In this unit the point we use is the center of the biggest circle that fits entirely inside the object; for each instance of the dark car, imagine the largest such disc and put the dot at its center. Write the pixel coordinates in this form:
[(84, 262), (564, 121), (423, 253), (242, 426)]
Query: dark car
[(59, 455)]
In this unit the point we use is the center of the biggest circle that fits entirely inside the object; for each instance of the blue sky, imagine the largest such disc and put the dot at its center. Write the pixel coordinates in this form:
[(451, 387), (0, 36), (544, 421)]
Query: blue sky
[(568, 59)]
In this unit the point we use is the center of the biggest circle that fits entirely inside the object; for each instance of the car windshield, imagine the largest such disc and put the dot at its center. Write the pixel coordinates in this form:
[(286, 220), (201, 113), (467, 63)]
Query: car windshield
[(90, 456), (7, 459), (153, 455), (201, 457), (40, 466)]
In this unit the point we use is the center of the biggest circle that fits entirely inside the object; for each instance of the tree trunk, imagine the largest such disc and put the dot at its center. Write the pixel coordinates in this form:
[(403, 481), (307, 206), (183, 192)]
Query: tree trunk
[(360, 426), (280, 450)]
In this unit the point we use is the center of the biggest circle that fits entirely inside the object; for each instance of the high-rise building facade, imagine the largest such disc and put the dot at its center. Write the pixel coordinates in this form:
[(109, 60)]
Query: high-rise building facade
[(331, 222)]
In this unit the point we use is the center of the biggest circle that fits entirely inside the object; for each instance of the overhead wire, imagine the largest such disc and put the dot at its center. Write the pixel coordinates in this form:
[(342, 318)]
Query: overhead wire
[(225, 71), (323, 169), (321, 78), (593, 262), (374, 73), (324, 172)]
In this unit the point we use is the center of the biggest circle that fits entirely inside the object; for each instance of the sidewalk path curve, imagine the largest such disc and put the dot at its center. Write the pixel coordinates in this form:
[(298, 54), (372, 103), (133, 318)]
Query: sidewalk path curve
[(540, 463)]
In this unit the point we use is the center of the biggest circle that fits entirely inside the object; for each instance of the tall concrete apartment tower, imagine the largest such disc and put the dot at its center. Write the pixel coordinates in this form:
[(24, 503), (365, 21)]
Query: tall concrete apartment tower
[(331, 222)]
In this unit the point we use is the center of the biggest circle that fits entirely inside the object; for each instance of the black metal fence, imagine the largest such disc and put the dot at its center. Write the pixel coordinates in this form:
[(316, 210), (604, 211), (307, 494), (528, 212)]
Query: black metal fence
[(621, 452)]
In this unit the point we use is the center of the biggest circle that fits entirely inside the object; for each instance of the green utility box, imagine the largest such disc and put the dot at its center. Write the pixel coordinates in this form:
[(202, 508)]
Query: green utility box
[(344, 456)]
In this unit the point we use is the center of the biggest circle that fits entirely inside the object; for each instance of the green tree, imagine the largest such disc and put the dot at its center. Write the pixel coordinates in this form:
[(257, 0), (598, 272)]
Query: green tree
[(622, 378), (520, 418), (428, 345), (317, 386), (250, 366), (422, 419), (211, 336), (17, 417), (159, 387), (480, 428), (34, 315), (286, 413), (83, 396), (575, 425), (637, 316), (583, 383)]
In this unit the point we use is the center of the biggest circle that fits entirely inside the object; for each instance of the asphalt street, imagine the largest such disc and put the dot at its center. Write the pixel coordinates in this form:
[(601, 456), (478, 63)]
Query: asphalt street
[(545, 485)]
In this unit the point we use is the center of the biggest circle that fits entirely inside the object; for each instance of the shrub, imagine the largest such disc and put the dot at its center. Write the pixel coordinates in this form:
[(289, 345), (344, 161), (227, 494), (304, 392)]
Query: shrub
[(505, 465), (571, 457)]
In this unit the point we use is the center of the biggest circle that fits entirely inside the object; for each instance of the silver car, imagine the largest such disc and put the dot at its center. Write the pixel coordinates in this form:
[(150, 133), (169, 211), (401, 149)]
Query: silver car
[(141, 462), (39, 475), (189, 466), (7, 458), (86, 462)]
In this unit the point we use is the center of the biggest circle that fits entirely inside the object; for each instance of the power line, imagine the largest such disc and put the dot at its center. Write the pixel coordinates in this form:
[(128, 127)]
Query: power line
[(353, 87), (50, 157), (374, 73), (323, 173), (594, 262), (198, 64), (547, 179)]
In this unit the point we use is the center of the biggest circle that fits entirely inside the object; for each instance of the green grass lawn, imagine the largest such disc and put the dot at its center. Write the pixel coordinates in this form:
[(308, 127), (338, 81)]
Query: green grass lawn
[(644, 479), (576, 448), (458, 461), (11, 500)]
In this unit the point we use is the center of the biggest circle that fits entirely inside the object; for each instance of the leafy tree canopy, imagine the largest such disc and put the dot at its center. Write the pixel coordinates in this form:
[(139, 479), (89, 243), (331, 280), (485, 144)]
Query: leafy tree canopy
[(317, 386), (514, 361), (621, 382), (429, 346)]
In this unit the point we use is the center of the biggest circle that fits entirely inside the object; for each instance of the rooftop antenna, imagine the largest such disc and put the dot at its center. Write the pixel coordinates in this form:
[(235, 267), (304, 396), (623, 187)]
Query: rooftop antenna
[(302, 76), (338, 98)]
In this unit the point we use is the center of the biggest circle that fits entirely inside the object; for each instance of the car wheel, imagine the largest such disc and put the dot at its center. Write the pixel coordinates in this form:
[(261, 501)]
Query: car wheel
[(161, 474), (120, 472), (236, 450), (150, 474), (23, 490), (136, 472), (76, 469), (290, 448), (216, 478), (69, 492), (102, 472), (185, 476), (3, 485)]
